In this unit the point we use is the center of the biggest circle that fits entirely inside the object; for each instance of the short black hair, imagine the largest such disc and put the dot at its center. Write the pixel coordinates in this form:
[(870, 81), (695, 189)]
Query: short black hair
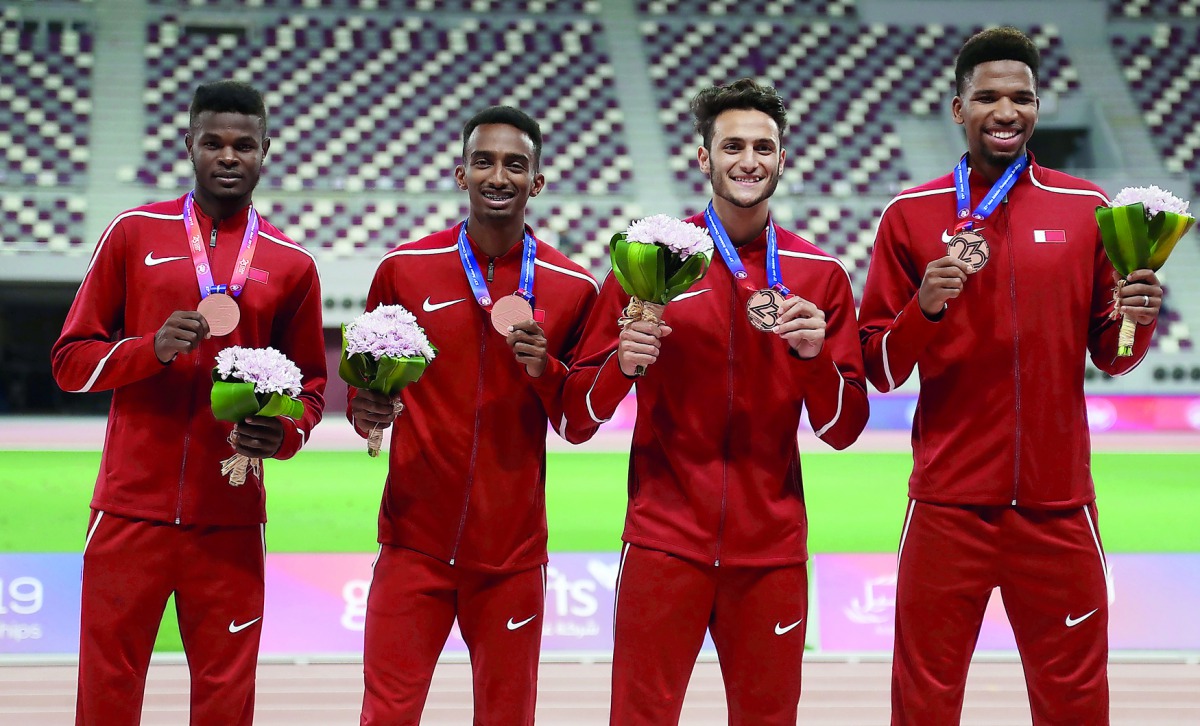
[(228, 97), (995, 44), (509, 116), (744, 93)]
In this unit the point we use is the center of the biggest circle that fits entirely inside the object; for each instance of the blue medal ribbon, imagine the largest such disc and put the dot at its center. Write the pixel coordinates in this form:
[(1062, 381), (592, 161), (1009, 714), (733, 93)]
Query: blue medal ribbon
[(962, 191), (475, 275), (734, 262)]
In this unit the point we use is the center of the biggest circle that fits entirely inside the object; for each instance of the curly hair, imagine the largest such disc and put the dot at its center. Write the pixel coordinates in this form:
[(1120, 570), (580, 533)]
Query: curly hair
[(227, 97), (745, 93), (995, 44)]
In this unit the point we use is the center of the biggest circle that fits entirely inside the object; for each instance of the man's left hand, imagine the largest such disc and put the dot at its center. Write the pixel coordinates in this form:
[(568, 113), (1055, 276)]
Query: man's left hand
[(802, 325), (528, 344), (258, 437), (1140, 297)]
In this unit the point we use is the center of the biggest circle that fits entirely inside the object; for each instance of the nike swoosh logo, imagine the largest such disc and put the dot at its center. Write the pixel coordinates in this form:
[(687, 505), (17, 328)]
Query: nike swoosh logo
[(526, 621), (946, 237), (151, 260), (780, 630), (234, 628), (430, 307), (1072, 622), (686, 295)]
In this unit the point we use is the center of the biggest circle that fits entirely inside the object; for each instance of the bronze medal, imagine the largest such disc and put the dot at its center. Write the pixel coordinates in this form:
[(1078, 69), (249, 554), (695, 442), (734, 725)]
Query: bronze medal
[(221, 312), (763, 309), (971, 247), (508, 311)]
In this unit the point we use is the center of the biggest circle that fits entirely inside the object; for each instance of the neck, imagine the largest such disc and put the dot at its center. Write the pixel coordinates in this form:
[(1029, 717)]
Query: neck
[(742, 224), (496, 238), (990, 171), (219, 209)]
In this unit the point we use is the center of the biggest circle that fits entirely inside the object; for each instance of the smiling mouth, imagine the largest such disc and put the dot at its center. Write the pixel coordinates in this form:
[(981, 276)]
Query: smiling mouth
[(1004, 134), (498, 197), (747, 179)]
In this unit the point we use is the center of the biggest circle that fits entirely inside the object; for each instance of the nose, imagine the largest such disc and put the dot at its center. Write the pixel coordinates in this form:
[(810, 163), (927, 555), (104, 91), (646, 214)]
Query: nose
[(746, 159), (227, 156), (1005, 111)]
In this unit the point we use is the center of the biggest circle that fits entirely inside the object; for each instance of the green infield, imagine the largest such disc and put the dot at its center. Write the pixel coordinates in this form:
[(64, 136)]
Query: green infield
[(328, 502)]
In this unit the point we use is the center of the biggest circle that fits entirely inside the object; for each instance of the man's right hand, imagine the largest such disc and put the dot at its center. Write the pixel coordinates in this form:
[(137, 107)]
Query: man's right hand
[(182, 333), (638, 345), (944, 280), (371, 410)]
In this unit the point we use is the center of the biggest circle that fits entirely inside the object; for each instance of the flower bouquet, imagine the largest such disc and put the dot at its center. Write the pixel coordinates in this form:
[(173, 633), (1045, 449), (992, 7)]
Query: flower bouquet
[(384, 350), (655, 260), (253, 382), (1139, 230)]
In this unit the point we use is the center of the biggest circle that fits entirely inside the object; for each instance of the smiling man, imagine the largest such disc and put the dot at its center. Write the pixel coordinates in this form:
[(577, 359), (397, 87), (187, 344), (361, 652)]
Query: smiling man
[(716, 530), (144, 325), (462, 529), (992, 280)]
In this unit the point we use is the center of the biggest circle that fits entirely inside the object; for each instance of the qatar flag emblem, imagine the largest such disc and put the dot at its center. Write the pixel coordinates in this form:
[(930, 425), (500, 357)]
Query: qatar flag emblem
[(1049, 236)]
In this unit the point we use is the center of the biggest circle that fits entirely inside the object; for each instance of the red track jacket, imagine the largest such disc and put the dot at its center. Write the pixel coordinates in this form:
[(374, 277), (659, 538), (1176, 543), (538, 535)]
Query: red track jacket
[(163, 448), (714, 472), (1000, 418), (467, 471)]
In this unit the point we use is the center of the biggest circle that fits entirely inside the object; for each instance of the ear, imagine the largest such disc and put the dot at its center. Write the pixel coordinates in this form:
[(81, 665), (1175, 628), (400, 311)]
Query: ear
[(782, 158), (187, 143), (539, 181), (956, 110), (266, 145), (703, 157), (460, 176)]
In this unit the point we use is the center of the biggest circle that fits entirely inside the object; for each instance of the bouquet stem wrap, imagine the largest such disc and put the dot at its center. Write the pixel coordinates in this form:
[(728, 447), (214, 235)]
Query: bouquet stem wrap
[(1134, 239), (375, 440)]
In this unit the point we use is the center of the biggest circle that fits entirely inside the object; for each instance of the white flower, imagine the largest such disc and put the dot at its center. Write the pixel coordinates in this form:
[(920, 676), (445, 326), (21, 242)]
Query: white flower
[(269, 370), (674, 234), (1154, 199), (388, 330)]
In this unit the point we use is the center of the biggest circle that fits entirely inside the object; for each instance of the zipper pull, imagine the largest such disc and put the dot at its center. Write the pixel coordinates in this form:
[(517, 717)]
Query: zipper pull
[(491, 269), (212, 242)]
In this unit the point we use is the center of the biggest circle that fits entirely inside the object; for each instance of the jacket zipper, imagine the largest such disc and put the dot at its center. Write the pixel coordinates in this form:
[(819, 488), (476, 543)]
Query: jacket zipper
[(1012, 287), (462, 521), (212, 241), (728, 428), (491, 268)]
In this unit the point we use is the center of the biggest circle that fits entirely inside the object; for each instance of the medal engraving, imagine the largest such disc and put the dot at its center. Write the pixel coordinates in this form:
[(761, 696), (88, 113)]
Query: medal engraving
[(508, 311), (971, 247), (762, 309), (221, 312)]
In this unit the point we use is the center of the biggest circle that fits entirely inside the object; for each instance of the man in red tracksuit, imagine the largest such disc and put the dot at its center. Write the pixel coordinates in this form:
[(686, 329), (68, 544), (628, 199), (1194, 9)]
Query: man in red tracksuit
[(164, 518), (715, 532), (462, 527), (998, 291)]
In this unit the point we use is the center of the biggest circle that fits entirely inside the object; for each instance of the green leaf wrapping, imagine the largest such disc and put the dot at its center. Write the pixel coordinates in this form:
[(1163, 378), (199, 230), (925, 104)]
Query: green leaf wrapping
[(388, 375), (1132, 243), (235, 400), (642, 269)]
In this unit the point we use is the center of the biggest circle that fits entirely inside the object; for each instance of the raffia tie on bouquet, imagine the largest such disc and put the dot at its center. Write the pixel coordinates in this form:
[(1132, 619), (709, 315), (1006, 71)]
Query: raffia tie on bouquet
[(1128, 325), (638, 310), (237, 466), (375, 440)]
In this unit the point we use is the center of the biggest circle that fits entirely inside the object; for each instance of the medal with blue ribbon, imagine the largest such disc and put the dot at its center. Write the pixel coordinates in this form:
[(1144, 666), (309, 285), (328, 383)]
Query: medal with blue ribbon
[(762, 309), (968, 243), (510, 309)]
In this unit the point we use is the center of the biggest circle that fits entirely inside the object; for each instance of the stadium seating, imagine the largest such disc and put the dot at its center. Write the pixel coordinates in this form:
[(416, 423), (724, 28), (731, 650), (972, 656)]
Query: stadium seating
[(1162, 68), (753, 8), (523, 7), (45, 101), (43, 224), (370, 103), (1161, 9)]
